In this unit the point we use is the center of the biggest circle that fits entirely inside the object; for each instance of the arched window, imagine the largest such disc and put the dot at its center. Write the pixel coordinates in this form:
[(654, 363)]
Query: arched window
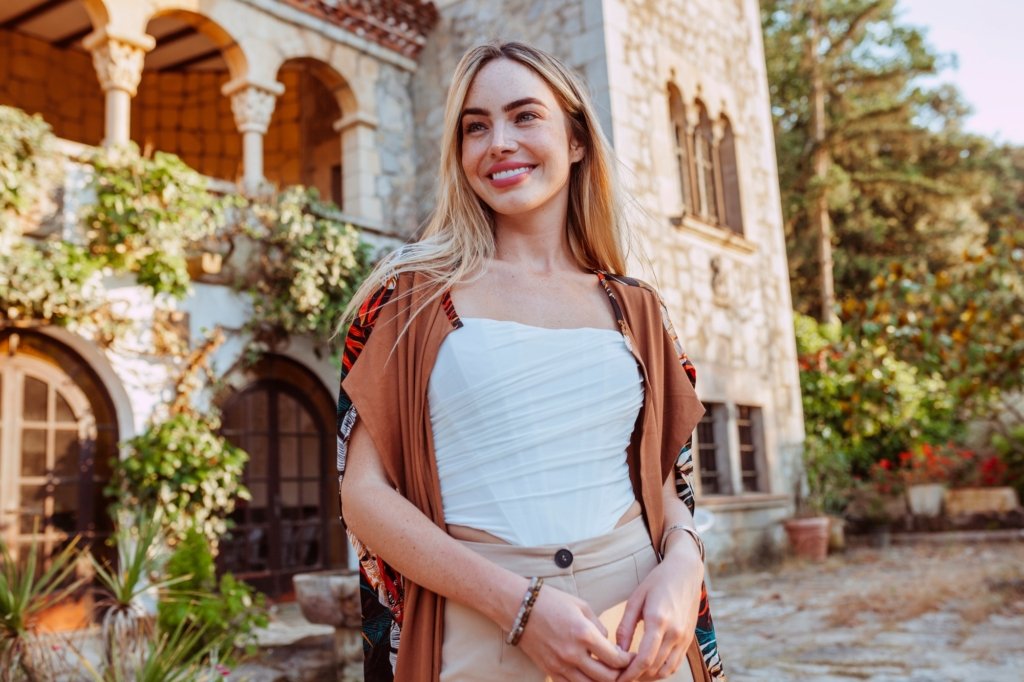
[(705, 160), (284, 419), (730, 179), (681, 147), (58, 439)]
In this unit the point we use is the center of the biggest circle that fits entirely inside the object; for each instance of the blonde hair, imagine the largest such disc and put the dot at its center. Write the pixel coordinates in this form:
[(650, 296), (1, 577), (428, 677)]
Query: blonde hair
[(459, 236)]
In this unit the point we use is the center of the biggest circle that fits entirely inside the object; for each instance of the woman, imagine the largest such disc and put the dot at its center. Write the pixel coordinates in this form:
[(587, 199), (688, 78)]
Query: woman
[(514, 415)]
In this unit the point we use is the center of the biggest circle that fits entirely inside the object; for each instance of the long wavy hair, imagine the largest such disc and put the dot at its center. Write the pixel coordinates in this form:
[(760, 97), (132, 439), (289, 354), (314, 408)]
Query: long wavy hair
[(458, 237)]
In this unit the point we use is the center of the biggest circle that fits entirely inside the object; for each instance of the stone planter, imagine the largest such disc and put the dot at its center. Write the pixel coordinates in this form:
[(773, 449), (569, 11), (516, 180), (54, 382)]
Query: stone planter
[(966, 501), (808, 537), (332, 598), (925, 499)]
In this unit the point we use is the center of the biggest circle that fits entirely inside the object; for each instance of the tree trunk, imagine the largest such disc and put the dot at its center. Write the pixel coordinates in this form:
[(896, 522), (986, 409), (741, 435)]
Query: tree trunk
[(821, 159)]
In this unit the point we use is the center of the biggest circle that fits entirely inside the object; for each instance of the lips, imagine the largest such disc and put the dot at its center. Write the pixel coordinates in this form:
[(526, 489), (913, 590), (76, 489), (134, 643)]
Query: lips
[(507, 174)]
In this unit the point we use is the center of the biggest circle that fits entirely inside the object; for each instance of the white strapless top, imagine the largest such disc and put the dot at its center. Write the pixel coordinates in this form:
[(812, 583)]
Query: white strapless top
[(531, 427)]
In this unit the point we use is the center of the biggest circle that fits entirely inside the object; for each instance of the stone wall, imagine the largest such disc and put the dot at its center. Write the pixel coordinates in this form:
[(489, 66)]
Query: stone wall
[(729, 296), (28, 70)]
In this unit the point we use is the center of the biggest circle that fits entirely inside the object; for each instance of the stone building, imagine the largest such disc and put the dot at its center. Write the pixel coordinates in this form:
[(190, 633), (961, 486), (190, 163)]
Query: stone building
[(346, 96)]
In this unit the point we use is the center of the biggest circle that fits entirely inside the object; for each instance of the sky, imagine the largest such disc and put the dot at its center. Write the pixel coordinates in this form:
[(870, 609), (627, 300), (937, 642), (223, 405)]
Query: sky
[(986, 37)]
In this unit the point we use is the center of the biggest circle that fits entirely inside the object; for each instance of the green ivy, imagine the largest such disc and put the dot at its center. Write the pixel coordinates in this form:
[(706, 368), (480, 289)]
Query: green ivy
[(50, 282), (25, 149), (185, 467), (309, 267), (147, 214)]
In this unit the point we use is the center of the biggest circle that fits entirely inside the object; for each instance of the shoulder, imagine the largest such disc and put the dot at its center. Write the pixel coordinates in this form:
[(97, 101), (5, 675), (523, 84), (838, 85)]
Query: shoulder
[(633, 289)]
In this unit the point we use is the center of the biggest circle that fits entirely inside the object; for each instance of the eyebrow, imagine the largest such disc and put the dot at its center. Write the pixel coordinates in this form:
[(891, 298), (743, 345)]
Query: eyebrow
[(474, 111)]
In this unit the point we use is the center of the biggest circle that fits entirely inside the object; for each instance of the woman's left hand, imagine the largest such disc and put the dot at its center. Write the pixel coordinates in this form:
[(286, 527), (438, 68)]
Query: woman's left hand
[(667, 602)]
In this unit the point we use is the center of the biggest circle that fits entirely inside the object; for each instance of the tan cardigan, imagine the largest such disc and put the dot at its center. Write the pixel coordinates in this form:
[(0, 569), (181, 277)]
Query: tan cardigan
[(386, 382)]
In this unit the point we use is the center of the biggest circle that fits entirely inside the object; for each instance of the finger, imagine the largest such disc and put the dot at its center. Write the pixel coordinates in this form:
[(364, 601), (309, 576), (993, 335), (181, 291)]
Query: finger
[(630, 617), (672, 665), (592, 617), (607, 653), (595, 670), (645, 656)]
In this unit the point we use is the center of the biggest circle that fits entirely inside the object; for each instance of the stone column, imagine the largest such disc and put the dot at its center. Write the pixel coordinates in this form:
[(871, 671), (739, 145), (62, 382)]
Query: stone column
[(253, 106), (118, 61), (360, 164)]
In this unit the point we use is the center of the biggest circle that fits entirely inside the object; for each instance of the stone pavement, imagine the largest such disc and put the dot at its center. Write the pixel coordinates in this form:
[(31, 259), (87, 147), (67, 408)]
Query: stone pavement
[(923, 612)]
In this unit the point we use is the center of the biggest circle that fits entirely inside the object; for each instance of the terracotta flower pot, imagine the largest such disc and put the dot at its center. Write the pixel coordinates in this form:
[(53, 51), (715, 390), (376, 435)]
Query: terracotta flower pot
[(808, 537)]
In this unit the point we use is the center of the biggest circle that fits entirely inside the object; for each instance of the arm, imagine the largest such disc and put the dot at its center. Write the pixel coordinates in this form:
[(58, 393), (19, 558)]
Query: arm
[(562, 632), (667, 600)]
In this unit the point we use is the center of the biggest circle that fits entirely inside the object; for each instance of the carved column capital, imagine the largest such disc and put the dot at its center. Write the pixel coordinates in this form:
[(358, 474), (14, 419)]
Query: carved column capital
[(118, 61), (252, 104)]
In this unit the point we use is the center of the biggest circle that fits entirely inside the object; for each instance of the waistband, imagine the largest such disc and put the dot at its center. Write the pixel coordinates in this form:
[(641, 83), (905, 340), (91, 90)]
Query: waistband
[(553, 560)]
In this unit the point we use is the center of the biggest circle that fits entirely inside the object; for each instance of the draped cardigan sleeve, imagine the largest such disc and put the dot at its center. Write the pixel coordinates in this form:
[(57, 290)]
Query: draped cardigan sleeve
[(388, 356), (385, 369)]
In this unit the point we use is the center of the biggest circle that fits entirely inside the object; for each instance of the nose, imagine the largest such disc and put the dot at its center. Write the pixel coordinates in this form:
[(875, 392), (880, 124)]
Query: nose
[(502, 140)]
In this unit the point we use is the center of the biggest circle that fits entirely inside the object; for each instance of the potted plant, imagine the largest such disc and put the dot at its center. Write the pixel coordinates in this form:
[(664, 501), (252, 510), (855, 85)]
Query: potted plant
[(926, 471), (878, 501), (826, 472)]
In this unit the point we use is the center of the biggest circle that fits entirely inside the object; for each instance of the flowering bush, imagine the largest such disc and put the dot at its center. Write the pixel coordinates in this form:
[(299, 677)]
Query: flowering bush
[(927, 464), (959, 467)]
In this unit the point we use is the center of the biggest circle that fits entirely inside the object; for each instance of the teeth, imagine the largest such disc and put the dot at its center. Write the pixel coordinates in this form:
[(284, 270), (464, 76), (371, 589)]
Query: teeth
[(501, 175)]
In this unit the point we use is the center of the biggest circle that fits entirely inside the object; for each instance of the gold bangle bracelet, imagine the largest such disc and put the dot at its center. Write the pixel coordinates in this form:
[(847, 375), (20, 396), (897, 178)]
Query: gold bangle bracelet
[(689, 531)]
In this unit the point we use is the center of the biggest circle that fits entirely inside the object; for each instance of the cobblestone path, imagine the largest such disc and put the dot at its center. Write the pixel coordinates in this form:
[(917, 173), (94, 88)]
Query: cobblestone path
[(918, 613)]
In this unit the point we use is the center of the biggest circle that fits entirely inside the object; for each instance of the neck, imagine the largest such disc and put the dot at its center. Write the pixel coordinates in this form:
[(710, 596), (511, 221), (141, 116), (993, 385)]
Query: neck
[(536, 243)]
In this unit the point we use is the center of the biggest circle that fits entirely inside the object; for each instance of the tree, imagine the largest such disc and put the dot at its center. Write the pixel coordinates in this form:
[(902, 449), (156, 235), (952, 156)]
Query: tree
[(871, 164)]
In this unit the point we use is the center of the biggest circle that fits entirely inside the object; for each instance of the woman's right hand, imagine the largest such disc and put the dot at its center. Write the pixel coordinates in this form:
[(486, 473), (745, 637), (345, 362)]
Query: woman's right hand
[(565, 639)]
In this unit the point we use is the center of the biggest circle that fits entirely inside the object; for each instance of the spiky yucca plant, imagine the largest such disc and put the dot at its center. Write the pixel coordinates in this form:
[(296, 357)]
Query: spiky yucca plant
[(30, 584)]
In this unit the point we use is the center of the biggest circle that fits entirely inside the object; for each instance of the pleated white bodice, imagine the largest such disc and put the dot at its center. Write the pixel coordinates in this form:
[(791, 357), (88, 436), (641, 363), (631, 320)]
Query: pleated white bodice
[(530, 429)]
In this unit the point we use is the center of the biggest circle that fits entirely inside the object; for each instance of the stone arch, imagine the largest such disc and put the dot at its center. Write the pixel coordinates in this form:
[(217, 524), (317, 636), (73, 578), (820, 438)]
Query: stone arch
[(231, 50), (302, 144), (349, 75), (179, 106)]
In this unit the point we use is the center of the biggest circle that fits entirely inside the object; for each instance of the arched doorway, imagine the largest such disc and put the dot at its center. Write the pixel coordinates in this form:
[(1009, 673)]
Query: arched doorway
[(58, 440), (284, 419)]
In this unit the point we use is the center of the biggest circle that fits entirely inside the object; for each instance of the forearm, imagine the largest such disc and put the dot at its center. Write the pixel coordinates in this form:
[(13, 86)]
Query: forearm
[(418, 549), (679, 545)]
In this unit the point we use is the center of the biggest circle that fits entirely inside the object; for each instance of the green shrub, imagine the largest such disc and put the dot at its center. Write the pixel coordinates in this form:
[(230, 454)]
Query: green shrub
[(1010, 448), (226, 609), (858, 398), (187, 469)]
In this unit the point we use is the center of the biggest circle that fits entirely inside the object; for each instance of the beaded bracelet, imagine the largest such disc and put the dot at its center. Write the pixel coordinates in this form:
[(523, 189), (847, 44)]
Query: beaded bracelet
[(693, 533), (524, 611)]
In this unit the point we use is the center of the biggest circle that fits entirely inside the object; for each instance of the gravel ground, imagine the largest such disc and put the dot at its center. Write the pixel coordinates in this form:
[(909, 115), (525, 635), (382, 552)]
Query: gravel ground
[(946, 612)]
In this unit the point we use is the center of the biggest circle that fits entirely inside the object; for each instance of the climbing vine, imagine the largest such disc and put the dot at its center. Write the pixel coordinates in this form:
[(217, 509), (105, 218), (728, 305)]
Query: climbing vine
[(299, 267)]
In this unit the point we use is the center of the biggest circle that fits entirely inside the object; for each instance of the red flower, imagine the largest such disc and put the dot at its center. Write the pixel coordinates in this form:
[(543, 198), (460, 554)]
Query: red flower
[(885, 464)]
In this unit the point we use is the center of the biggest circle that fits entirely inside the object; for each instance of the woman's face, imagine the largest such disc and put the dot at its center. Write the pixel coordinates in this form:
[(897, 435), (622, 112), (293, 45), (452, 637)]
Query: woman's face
[(516, 145)]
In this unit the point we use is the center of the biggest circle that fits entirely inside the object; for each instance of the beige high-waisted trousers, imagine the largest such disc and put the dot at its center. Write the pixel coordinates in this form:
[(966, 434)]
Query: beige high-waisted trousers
[(603, 571)]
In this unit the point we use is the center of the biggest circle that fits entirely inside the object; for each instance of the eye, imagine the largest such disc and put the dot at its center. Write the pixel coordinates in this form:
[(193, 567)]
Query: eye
[(526, 117), (473, 127)]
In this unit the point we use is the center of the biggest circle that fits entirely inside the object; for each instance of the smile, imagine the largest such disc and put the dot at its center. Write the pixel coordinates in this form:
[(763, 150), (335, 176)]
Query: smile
[(510, 173)]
